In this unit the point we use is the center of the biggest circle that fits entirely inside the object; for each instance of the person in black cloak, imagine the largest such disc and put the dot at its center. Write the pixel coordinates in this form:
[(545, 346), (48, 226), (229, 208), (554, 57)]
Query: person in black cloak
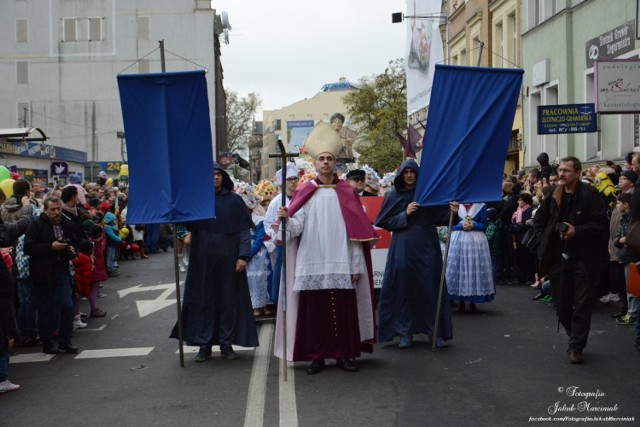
[(217, 305), (410, 286)]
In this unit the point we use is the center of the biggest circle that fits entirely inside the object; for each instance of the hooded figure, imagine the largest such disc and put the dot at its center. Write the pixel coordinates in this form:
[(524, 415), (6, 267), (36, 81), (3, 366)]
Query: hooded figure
[(545, 167), (410, 287), (217, 307)]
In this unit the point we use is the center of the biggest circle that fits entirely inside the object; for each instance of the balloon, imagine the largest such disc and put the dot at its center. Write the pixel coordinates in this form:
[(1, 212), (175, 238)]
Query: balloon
[(109, 182), (4, 173), (7, 187)]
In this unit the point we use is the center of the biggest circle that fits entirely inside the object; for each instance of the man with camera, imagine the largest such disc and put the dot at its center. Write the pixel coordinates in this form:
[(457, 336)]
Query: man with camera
[(572, 220), (49, 241)]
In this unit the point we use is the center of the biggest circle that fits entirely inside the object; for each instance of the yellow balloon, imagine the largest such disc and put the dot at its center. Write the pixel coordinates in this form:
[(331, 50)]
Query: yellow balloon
[(7, 187), (109, 182)]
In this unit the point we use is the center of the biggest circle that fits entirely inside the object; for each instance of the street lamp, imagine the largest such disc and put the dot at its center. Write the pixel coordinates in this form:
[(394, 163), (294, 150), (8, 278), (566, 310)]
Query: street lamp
[(120, 134)]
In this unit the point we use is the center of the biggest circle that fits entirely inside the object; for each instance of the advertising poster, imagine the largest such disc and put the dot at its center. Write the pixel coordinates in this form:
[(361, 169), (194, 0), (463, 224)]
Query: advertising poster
[(297, 131), (423, 50)]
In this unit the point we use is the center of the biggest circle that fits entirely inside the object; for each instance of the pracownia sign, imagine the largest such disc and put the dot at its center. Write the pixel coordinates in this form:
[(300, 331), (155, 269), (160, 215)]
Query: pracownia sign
[(617, 86), (569, 118)]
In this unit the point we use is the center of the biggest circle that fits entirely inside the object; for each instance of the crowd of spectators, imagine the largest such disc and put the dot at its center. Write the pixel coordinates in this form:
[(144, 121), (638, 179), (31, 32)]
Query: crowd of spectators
[(60, 244)]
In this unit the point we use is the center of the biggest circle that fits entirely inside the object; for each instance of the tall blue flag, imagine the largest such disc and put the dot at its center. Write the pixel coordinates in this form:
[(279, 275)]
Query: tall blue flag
[(467, 137), (169, 147)]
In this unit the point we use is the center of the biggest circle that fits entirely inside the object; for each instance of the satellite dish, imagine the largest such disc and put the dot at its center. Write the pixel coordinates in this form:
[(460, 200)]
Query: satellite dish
[(224, 17), (225, 36)]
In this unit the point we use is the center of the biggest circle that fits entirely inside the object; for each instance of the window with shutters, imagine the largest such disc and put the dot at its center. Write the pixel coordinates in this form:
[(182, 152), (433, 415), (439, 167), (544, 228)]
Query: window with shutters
[(69, 29), (22, 72), (22, 30)]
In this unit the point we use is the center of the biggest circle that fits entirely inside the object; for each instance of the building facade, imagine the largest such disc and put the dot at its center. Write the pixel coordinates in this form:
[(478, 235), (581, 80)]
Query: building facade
[(291, 124), (561, 39), (59, 60), (486, 33)]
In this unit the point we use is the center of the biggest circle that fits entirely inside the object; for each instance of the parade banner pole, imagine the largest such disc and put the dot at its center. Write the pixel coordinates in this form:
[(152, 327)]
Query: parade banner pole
[(434, 340), (283, 272), (178, 304), (176, 267)]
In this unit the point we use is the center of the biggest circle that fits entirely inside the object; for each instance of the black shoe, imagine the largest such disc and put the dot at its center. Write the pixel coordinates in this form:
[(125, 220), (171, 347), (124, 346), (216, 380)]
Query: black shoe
[(228, 353), (69, 349), (575, 357), (315, 367), (204, 353), (618, 314), (50, 350), (538, 297), (346, 365)]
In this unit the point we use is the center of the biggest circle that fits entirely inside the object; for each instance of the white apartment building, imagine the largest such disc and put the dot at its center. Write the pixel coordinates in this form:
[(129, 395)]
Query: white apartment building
[(59, 60)]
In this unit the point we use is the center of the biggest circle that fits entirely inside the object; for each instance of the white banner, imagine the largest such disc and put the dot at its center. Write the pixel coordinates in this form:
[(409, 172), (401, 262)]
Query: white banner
[(423, 51)]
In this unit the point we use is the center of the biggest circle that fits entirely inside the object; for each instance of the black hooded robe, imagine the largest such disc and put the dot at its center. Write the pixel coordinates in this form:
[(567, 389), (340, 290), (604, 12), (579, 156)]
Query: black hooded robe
[(410, 287), (217, 306)]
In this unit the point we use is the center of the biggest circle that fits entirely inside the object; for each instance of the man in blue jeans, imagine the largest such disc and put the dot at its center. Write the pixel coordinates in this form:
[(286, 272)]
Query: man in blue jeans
[(50, 241)]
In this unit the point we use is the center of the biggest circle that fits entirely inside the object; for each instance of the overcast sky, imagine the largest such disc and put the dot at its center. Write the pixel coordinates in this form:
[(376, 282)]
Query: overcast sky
[(285, 50)]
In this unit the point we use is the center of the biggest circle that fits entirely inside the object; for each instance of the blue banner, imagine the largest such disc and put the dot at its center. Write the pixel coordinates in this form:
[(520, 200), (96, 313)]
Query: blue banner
[(169, 147), (567, 118), (468, 132)]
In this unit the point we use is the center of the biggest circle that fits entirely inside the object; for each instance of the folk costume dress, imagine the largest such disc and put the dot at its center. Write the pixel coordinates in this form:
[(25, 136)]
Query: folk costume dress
[(259, 267), (410, 287), (469, 273), (217, 306), (328, 316)]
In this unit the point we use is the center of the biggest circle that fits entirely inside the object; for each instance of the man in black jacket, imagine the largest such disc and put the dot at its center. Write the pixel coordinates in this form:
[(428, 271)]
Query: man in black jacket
[(48, 243), (572, 220)]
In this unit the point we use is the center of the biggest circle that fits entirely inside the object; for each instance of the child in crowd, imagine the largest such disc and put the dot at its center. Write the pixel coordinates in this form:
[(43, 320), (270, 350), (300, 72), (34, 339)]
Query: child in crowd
[(83, 266), (113, 243), (184, 241), (99, 273), (137, 233), (625, 257)]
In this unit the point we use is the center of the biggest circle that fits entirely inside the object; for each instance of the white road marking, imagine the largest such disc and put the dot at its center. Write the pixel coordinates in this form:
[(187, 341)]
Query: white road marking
[(287, 397), (254, 414), (114, 352), (146, 307), (31, 357)]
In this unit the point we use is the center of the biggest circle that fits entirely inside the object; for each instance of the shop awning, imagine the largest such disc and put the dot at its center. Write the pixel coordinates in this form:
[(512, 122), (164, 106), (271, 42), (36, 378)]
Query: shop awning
[(23, 134)]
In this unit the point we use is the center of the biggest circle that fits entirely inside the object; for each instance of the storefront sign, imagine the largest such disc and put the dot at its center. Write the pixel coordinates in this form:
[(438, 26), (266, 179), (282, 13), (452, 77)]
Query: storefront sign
[(568, 118), (59, 169), (618, 86), (612, 44)]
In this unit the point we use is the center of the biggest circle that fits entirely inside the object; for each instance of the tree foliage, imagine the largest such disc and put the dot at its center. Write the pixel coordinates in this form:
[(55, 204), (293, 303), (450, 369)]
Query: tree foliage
[(378, 110), (240, 115)]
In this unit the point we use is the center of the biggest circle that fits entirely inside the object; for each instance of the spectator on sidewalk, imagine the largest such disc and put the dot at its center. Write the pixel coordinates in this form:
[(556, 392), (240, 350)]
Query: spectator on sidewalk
[(47, 243)]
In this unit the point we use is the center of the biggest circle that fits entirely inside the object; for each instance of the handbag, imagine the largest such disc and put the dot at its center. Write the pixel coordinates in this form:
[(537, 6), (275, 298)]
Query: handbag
[(632, 239)]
